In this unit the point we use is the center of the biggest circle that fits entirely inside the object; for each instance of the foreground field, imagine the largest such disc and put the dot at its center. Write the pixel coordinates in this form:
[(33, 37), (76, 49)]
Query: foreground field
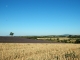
[(40, 51)]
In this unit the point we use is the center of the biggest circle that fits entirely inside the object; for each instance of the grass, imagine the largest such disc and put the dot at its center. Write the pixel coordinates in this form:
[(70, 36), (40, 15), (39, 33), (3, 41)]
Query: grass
[(39, 51)]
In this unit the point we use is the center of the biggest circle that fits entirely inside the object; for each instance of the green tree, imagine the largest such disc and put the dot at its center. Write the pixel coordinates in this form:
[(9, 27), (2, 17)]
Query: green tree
[(11, 33), (70, 36)]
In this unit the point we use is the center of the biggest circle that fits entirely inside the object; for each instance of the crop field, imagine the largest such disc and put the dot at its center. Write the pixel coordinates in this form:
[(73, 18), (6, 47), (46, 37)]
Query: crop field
[(39, 51), (60, 39), (64, 38)]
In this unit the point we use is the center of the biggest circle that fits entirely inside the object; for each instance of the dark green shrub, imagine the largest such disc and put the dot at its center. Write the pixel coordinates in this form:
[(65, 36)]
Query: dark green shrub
[(64, 41), (77, 41), (58, 40)]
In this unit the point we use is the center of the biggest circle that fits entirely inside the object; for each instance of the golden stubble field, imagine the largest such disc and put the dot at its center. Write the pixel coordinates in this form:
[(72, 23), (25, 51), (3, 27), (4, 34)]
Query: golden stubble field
[(39, 51)]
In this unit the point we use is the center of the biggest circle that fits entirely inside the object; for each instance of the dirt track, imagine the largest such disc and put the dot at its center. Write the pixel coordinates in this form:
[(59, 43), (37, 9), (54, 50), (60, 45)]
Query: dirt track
[(20, 40)]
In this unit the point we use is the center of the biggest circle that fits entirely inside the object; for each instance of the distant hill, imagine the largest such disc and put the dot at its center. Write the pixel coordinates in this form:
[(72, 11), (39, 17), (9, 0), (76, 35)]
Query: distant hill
[(66, 34)]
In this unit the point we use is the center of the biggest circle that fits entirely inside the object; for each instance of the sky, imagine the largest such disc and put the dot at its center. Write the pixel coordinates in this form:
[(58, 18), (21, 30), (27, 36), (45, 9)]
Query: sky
[(39, 17)]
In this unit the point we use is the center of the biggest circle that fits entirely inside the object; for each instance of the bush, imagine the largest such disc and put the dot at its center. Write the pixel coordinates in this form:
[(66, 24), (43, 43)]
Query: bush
[(77, 41), (64, 41), (58, 40)]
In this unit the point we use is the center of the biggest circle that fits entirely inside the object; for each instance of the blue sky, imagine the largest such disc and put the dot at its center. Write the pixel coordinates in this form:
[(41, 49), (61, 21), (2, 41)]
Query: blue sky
[(39, 17)]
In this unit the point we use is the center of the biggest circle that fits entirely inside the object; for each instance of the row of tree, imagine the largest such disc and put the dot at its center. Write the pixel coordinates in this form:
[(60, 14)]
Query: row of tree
[(74, 36)]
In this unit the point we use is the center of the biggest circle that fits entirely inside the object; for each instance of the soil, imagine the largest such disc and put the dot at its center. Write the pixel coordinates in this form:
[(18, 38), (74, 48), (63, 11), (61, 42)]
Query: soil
[(20, 40)]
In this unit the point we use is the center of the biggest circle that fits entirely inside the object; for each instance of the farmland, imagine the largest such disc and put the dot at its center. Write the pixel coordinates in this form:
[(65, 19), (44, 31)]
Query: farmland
[(39, 51), (40, 39)]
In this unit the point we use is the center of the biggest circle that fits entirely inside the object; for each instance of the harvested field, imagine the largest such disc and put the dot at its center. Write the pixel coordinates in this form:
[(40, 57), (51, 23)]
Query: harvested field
[(20, 40), (39, 51)]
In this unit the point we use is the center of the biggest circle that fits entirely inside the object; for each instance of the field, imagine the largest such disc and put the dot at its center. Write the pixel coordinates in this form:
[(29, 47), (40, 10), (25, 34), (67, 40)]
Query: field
[(38, 39), (60, 39), (39, 51), (20, 40)]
